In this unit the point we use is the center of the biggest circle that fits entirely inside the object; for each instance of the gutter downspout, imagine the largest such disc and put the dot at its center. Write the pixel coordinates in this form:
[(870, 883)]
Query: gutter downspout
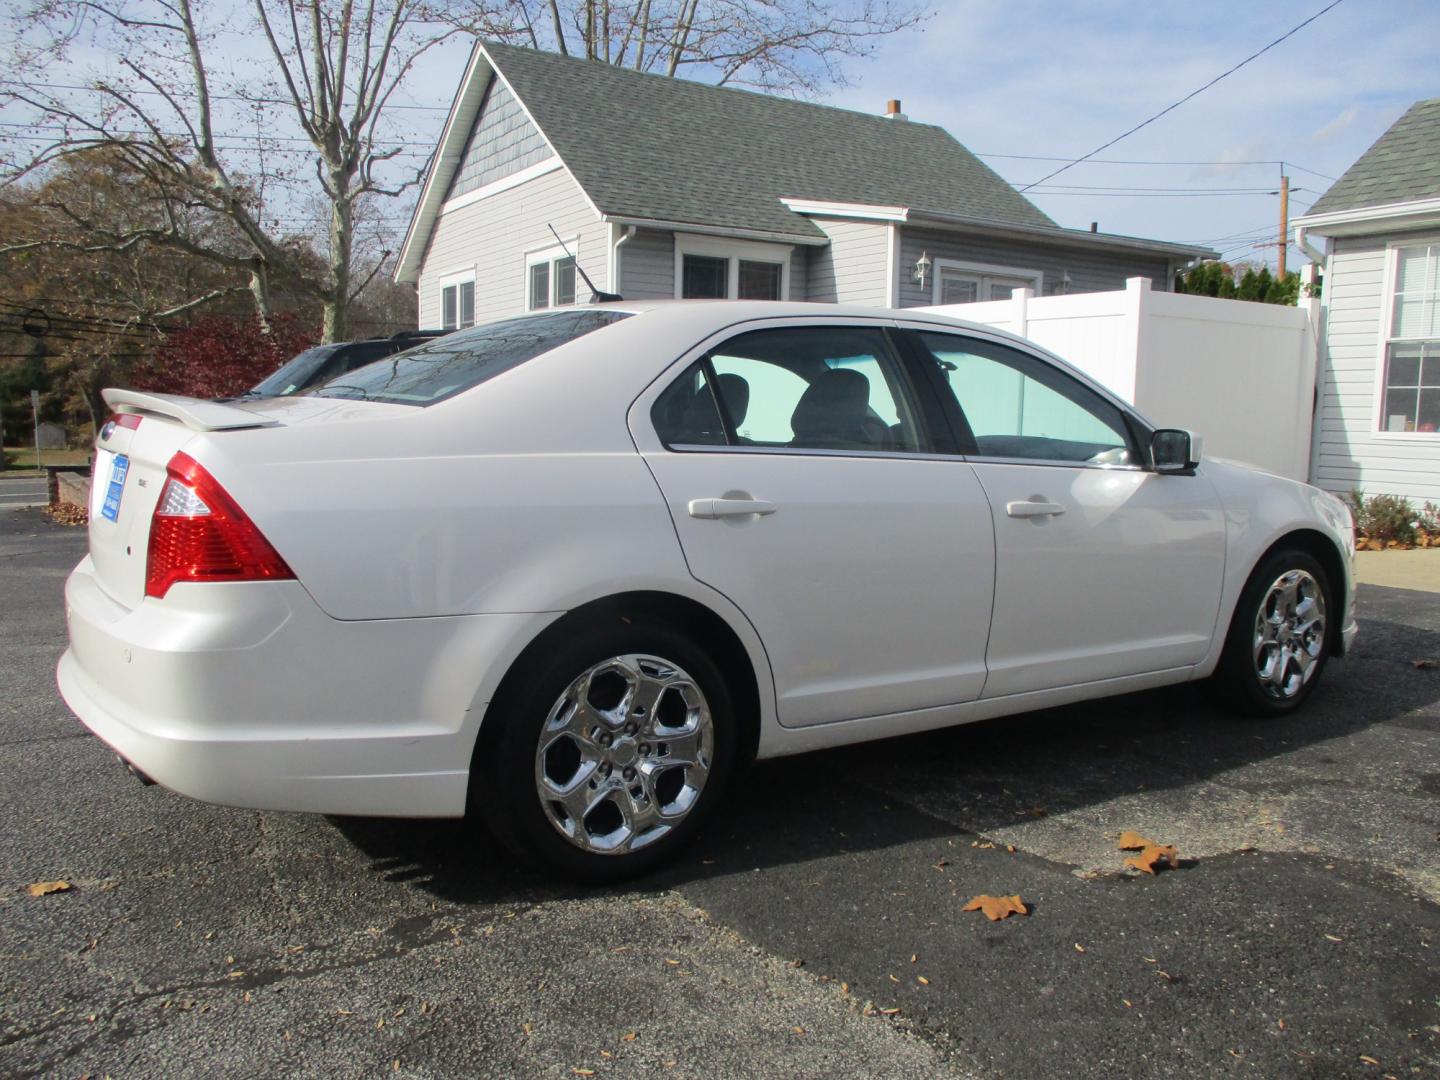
[(1302, 241), (614, 283)]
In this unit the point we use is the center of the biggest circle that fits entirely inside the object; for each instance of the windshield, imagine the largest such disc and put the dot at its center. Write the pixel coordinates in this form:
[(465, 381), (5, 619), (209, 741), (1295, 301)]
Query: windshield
[(456, 362), (295, 374)]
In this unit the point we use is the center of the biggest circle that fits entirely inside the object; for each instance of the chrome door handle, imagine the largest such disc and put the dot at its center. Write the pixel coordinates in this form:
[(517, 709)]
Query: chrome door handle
[(722, 508), (1033, 509)]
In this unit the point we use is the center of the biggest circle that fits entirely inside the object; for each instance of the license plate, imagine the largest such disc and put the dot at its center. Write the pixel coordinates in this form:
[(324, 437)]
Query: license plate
[(110, 509)]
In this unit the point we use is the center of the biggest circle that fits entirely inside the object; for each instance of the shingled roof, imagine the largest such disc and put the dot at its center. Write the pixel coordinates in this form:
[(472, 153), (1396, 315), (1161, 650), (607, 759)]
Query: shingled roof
[(669, 149), (1403, 166)]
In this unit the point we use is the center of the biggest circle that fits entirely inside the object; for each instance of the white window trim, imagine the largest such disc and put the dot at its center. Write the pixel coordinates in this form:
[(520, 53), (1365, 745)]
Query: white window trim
[(1385, 318), (505, 183), (982, 269), (734, 250), (454, 279), (551, 253)]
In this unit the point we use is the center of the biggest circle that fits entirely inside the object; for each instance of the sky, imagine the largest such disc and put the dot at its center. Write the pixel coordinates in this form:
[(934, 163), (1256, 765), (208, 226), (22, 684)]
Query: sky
[(1057, 79), (1015, 80)]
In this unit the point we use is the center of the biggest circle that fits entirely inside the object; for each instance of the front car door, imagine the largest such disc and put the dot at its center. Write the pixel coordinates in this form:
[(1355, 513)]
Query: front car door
[(1103, 568), (804, 485)]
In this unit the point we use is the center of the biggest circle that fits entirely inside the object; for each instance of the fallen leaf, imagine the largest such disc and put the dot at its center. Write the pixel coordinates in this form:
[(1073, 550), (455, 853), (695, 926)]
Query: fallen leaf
[(914, 958), (889, 1012), (844, 987), (1134, 841), (997, 907), (1154, 855), (1280, 1024), (1424, 664), (1368, 1060), (797, 963), (44, 888), (894, 979), (673, 963), (630, 1036), (1127, 1003), (922, 980), (1010, 848), (1079, 947), (583, 1072), (1332, 937), (798, 1030), (607, 1054)]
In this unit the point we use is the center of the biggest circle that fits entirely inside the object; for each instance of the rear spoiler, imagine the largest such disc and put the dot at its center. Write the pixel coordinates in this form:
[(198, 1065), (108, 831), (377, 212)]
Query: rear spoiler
[(195, 413)]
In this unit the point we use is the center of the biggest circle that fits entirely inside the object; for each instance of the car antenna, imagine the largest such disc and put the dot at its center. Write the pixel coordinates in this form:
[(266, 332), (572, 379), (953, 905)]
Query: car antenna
[(596, 296)]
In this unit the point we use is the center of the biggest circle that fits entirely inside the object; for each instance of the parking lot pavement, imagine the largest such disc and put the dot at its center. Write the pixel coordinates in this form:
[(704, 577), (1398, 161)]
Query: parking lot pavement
[(1299, 938)]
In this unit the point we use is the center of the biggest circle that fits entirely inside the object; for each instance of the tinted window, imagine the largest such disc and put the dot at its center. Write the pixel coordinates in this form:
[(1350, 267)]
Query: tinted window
[(809, 388), (446, 366), (1017, 406), (296, 373)]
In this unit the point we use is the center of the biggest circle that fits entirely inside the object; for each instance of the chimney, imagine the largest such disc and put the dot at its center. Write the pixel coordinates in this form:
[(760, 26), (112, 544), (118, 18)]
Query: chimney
[(892, 110), (1094, 226)]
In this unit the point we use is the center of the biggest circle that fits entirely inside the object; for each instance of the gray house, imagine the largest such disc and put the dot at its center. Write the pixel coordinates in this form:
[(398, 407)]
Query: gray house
[(1378, 423), (663, 188)]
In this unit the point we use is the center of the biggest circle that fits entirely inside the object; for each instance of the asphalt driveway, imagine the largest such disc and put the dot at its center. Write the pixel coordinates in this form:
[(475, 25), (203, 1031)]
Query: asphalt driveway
[(816, 930)]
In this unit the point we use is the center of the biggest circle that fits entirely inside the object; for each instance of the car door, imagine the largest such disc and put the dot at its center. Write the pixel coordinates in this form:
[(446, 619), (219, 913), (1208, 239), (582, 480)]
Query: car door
[(1103, 568), (803, 484)]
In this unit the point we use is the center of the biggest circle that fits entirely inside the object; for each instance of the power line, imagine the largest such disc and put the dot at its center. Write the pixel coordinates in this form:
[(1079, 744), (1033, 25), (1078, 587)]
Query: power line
[(1187, 97), (213, 97), (1155, 161)]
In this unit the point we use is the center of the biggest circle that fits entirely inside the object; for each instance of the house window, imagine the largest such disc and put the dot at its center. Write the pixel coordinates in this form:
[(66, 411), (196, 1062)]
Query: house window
[(965, 283), (550, 278), (1412, 351), (457, 304), (713, 268)]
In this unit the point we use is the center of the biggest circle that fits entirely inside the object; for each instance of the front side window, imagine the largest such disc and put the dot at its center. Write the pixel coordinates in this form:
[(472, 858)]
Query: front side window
[(457, 305), (801, 388), (1412, 352), (1015, 405)]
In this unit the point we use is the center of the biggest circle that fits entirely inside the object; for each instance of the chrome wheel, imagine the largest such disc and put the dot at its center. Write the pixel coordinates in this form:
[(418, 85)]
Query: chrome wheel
[(624, 754), (1289, 638)]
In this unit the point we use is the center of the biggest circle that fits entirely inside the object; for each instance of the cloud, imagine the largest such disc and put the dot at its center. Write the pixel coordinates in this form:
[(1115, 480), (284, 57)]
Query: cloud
[(1335, 126)]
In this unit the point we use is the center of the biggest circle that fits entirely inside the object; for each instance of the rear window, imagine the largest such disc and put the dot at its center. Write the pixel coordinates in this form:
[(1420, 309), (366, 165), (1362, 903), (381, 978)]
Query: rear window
[(446, 366)]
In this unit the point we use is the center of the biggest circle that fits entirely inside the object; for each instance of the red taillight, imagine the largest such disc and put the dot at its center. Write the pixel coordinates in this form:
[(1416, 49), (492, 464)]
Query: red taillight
[(199, 533)]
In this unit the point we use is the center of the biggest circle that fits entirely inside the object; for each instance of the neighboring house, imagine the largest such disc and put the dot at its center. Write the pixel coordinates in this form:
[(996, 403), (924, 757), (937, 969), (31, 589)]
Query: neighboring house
[(1378, 422), (664, 188)]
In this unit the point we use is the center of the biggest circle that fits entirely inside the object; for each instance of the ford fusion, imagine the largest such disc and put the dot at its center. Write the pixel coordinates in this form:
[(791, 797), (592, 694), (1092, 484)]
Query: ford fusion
[(569, 571)]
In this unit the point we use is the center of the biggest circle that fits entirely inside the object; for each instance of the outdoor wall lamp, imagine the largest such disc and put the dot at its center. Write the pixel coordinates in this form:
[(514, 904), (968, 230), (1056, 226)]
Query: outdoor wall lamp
[(922, 267)]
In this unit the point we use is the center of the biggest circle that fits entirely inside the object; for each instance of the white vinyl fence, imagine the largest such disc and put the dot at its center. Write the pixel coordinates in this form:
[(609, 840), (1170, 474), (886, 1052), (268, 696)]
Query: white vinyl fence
[(1240, 374)]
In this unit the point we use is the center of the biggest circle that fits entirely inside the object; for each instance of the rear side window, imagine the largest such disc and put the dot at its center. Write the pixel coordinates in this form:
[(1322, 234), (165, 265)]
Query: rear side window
[(794, 388), (456, 362)]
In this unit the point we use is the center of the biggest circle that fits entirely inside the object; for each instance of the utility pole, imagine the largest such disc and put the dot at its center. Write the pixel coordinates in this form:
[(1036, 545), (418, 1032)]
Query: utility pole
[(1284, 221)]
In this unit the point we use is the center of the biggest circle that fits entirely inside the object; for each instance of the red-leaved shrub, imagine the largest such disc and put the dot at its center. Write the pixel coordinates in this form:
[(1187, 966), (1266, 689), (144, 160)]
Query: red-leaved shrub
[(222, 355)]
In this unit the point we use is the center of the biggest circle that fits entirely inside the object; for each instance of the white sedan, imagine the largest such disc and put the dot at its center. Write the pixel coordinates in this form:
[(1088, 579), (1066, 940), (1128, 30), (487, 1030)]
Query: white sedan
[(569, 571)]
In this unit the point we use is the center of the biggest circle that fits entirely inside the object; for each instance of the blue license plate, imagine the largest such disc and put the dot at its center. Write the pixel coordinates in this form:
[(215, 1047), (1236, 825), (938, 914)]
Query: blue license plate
[(111, 507)]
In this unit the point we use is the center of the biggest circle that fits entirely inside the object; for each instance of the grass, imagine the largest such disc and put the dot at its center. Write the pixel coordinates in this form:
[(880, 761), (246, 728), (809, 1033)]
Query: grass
[(21, 458)]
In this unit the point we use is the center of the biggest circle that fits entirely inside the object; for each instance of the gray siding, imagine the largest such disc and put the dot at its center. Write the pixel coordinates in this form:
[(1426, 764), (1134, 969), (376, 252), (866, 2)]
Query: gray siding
[(1090, 271), (647, 266), (852, 269), (493, 235), (1349, 450), (503, 142)]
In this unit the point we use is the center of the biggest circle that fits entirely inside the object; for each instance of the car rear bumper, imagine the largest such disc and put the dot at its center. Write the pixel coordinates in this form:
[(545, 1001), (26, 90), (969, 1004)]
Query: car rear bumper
[(247, 694)]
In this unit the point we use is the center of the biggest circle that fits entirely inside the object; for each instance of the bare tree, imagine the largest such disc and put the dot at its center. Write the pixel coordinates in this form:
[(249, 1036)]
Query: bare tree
[(787, 46), (173, 108)]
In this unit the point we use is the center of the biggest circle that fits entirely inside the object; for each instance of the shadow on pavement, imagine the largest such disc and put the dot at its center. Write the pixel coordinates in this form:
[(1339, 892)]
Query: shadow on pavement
[(834, 802)]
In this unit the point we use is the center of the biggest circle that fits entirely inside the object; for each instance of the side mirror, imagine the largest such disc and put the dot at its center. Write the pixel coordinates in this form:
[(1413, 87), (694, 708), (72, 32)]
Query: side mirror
[(1175, 450)]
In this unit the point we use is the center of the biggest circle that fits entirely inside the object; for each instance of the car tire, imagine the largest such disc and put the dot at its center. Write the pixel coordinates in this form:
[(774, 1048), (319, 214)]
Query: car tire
[(626, 716), (1279, 637)]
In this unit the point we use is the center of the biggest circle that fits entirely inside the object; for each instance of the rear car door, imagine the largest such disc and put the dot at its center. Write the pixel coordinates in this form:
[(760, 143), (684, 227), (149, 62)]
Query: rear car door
[(1103, 568), (804, 484)]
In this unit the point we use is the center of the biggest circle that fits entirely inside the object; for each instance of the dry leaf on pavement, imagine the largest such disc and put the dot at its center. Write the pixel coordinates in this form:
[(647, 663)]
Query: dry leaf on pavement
[(43, 888), (1134, 841), (997, 907), (1153, 856)]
